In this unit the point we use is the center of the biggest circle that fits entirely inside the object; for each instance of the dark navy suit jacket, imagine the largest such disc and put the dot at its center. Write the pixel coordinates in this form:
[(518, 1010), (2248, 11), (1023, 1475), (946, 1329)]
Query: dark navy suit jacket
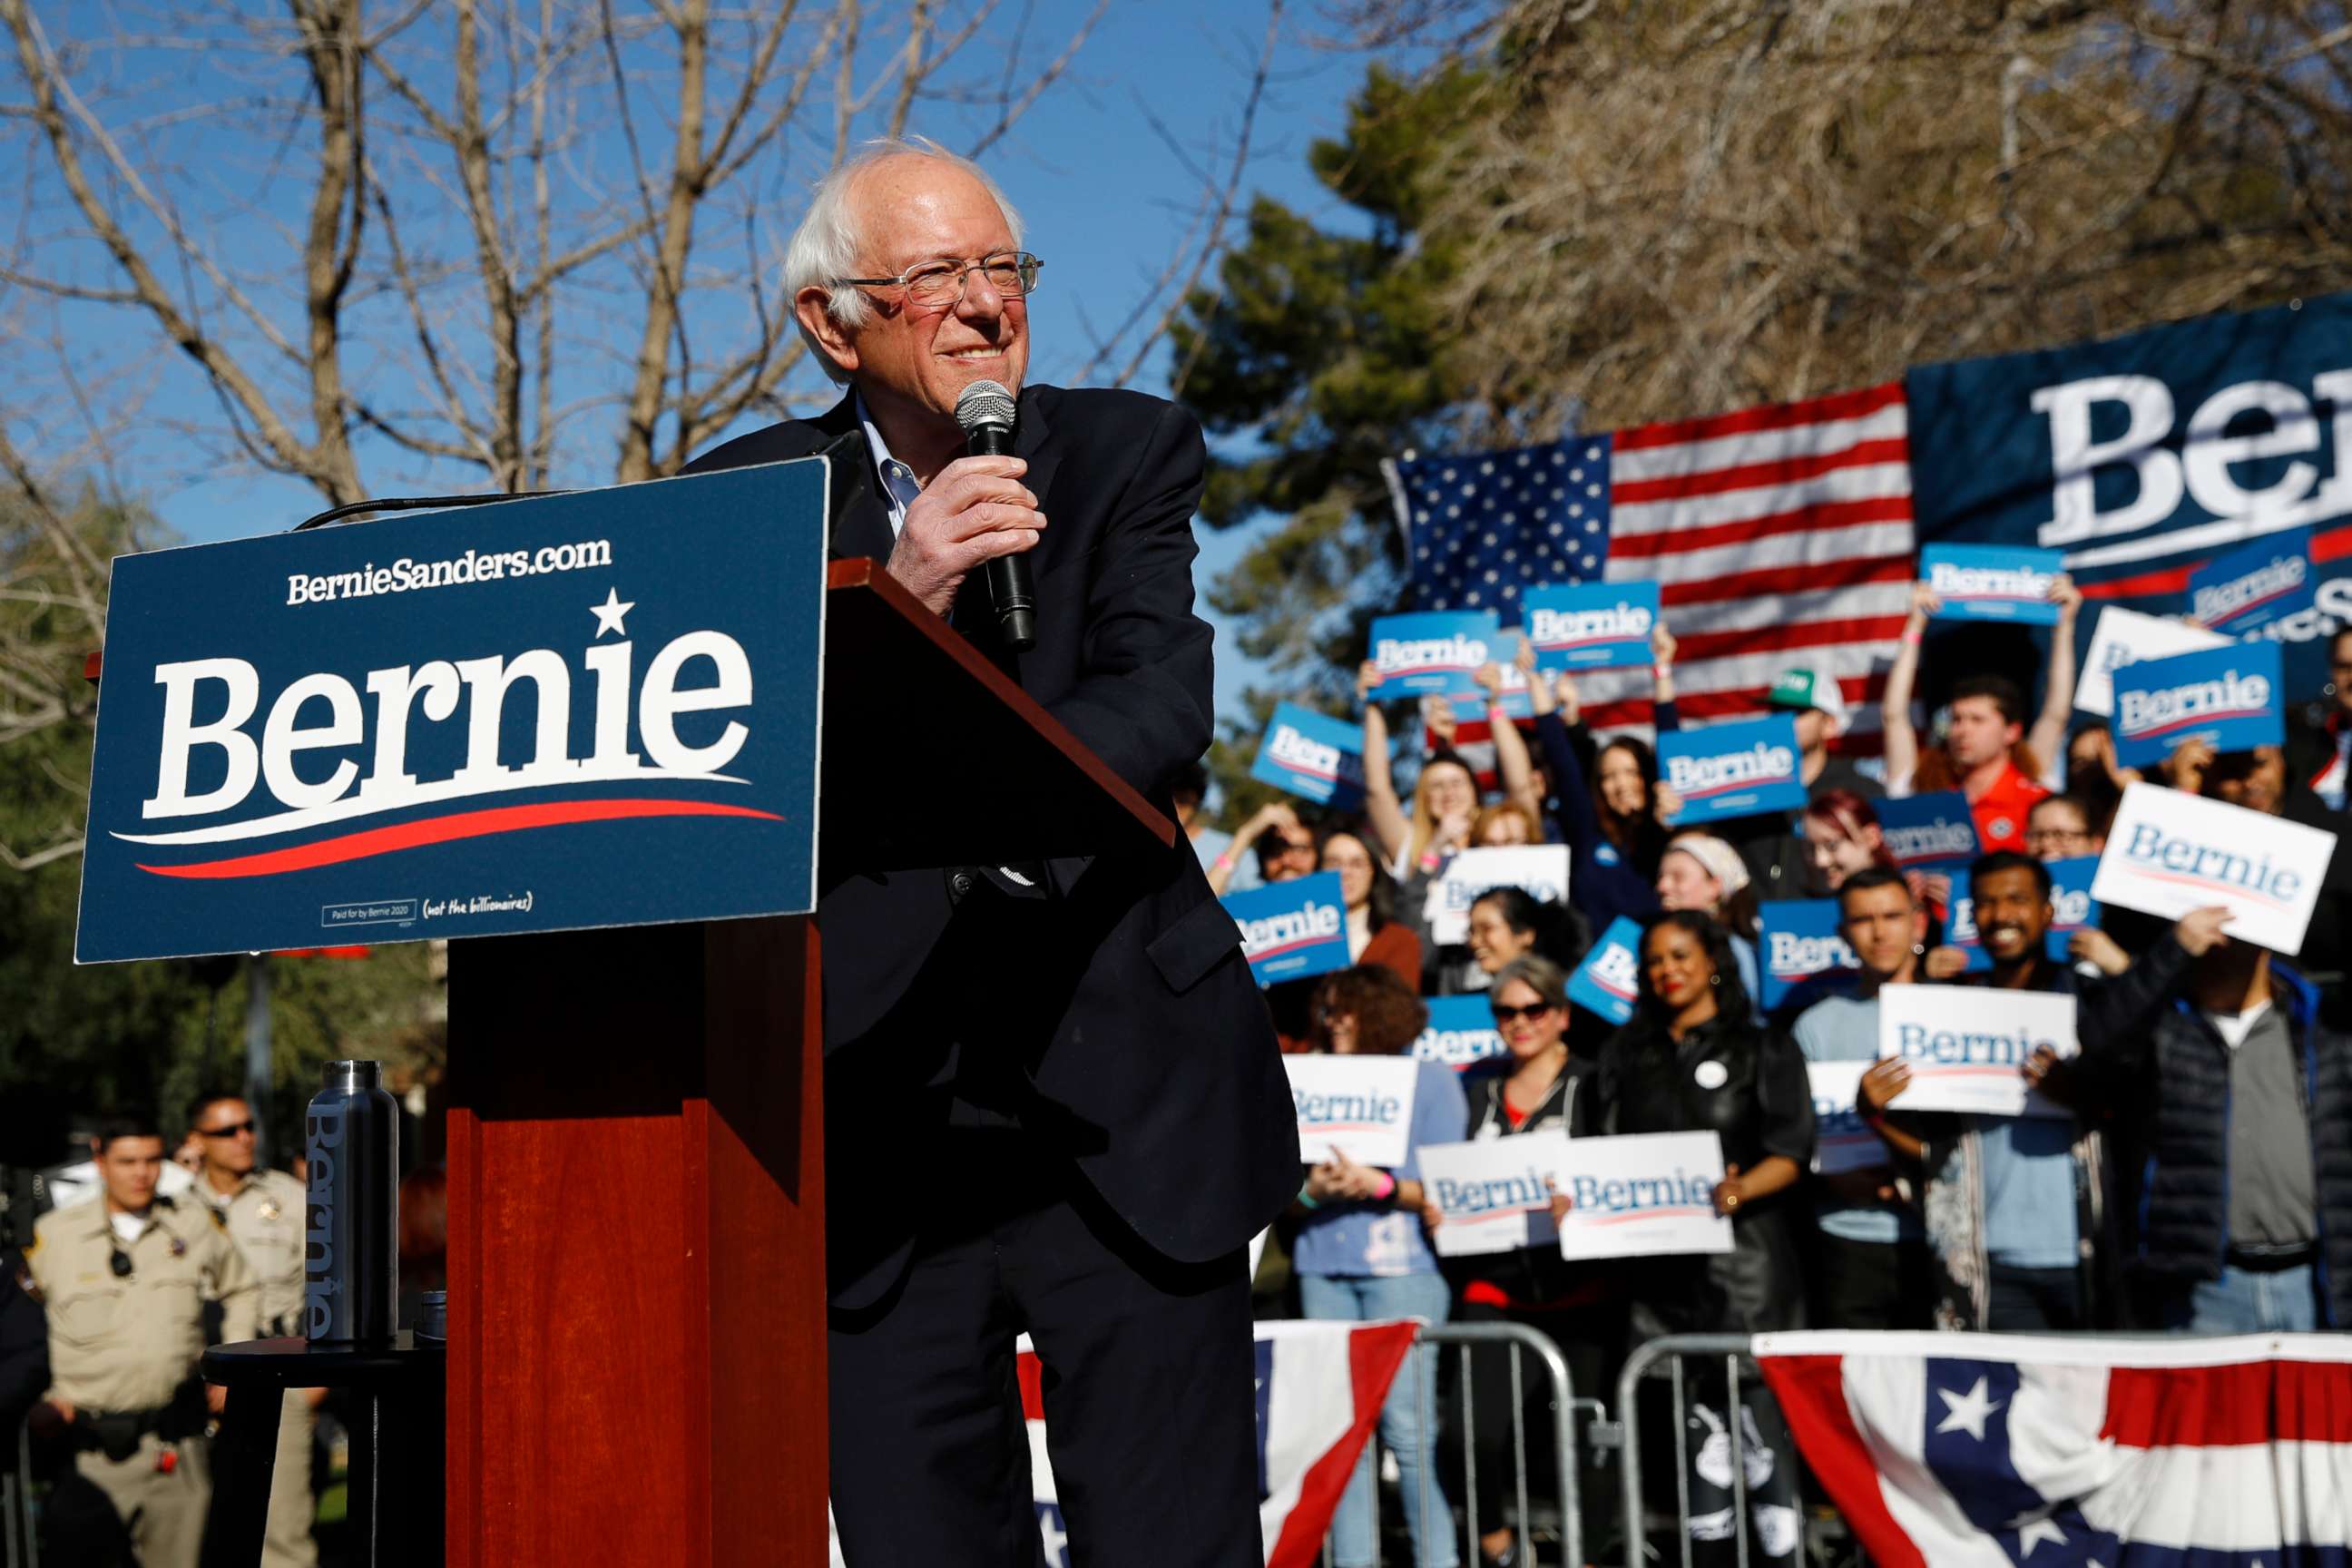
[(1112, 1016)]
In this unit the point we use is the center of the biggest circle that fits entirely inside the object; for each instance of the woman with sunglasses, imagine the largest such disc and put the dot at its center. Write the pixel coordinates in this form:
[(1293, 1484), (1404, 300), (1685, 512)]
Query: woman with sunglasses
[(1692, 1060), (1361, 1257), (1536, 1086)]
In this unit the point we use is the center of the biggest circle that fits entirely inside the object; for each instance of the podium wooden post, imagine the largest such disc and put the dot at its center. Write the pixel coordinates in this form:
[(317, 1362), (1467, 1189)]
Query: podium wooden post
[(636, 1261)]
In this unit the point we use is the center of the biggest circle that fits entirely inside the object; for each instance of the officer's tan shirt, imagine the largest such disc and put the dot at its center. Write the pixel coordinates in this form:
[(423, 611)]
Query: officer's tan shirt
[(127, 1343), (265, 1217)]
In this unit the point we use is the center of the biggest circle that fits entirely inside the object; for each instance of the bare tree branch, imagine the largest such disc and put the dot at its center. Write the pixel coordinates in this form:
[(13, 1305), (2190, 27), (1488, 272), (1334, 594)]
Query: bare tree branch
[(1012, 111)]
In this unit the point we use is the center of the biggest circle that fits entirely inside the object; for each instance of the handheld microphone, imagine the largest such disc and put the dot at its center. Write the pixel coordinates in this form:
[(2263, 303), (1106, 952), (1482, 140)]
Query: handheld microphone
[(986, 412)]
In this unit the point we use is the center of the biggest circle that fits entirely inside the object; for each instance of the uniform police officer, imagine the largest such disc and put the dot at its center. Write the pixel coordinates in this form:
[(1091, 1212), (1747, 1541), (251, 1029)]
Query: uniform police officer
[(126, 1276), (262, 1210)]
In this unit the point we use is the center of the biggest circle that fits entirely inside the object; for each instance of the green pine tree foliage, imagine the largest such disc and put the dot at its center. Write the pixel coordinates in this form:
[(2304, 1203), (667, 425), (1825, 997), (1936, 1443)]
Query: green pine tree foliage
[(1322, 350)]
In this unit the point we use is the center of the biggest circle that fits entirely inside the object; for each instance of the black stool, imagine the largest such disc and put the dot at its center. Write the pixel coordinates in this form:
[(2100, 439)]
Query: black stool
[(397, 1439)]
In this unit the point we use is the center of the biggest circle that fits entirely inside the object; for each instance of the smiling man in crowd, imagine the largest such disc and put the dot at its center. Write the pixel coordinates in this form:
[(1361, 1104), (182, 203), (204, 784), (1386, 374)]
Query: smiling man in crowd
[(1054, 1100)]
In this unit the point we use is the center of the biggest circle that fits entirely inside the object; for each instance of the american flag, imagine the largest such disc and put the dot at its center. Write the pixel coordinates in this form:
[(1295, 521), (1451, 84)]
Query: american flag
[(1484, 525), (1776, 534), (2001, 1449)]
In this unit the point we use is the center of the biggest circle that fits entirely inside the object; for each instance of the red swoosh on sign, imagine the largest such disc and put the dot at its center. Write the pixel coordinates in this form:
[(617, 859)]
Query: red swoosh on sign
[(448, 829)]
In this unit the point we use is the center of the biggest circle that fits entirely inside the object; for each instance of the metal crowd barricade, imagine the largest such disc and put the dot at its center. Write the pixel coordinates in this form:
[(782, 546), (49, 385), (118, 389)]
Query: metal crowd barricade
[(17, 1505), (1516, 1341), (1674, 1349)]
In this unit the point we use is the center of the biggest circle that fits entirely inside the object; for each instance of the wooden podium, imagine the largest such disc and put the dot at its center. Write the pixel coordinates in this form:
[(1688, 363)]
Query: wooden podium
[(637, 1361)]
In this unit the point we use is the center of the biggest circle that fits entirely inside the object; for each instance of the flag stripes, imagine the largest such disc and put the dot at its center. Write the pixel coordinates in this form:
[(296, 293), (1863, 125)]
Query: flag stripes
[(1776, 534)]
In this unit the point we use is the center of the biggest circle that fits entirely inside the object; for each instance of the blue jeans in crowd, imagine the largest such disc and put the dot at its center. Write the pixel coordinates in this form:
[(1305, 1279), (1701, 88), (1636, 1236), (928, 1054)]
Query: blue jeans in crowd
[(1350, 1299), (2249, 1302)]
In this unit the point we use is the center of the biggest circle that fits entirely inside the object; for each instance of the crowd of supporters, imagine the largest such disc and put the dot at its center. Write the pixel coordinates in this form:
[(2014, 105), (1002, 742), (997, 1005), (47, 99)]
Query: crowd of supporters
[(2198, 1177)]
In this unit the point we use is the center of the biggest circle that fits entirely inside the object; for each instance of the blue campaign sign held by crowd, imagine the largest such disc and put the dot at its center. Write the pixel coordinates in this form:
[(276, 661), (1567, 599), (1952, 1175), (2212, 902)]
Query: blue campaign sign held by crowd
[(1732, 770), (1605, 982), (1800, 946), (2072, 908), (582, 711), (1432, 652), (2259, 586), (1960, 929), (1313, 756), (1292, 930), (2226, 697), (1590, 626), (1992, 583), (1460, 1032), (1931, 832)]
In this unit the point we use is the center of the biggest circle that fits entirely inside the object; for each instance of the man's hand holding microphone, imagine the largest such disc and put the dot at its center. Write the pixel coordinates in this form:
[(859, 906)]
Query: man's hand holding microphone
[(976, 510)]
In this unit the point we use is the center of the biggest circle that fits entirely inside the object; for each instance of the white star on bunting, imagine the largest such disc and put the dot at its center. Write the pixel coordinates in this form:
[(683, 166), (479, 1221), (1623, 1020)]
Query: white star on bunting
[(1968, 1412)]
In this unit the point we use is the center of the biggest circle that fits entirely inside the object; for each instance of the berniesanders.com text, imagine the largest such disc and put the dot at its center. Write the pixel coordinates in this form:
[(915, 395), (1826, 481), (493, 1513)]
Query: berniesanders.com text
[(405, 576)]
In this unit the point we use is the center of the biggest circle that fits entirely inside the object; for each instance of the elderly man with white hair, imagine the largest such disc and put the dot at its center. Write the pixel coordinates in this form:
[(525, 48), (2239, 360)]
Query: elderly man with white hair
[(1054, 1099)]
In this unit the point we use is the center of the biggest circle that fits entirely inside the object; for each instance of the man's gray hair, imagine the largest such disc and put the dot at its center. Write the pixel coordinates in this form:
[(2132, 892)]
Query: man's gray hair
[(826, 244)]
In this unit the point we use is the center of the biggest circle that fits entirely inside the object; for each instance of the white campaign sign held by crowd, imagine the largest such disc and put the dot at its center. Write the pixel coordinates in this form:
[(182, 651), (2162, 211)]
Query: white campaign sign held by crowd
[(1540, 870), (1967, 1045), (1361, 1106), (1642, 1195), (1492, 1192), (2169, 853)]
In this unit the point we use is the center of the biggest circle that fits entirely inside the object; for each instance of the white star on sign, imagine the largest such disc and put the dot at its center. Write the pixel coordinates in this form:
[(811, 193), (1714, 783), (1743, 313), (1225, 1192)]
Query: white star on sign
[(608, 613), (1968, 1412), (2035, 1533)]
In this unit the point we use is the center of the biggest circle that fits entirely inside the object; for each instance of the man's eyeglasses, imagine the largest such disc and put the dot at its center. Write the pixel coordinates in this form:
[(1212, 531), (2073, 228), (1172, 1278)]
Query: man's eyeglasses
[(1504, 1013), (231, 1131), (931, 285)]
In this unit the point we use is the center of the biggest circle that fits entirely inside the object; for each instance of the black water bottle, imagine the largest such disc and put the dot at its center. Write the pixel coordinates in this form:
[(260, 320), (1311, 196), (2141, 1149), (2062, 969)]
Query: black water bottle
[(352, 1263)]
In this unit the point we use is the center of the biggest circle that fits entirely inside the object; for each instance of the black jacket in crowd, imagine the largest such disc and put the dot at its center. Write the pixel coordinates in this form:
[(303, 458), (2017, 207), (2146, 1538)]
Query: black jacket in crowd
[(1750, 1086), (2167, 1087)]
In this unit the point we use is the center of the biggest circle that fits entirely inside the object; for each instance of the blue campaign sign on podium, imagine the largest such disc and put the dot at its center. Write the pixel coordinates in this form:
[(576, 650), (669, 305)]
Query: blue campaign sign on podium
[(580, 711)]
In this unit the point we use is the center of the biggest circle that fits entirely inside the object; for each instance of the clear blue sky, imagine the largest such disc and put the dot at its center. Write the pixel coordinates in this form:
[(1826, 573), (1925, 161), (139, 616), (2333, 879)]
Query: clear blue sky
[(1106, 200)]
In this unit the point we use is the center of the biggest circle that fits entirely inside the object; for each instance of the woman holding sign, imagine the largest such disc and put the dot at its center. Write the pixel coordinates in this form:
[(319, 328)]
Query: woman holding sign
[(1691, 1061), (1361, 1257), (1531, 1092)]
